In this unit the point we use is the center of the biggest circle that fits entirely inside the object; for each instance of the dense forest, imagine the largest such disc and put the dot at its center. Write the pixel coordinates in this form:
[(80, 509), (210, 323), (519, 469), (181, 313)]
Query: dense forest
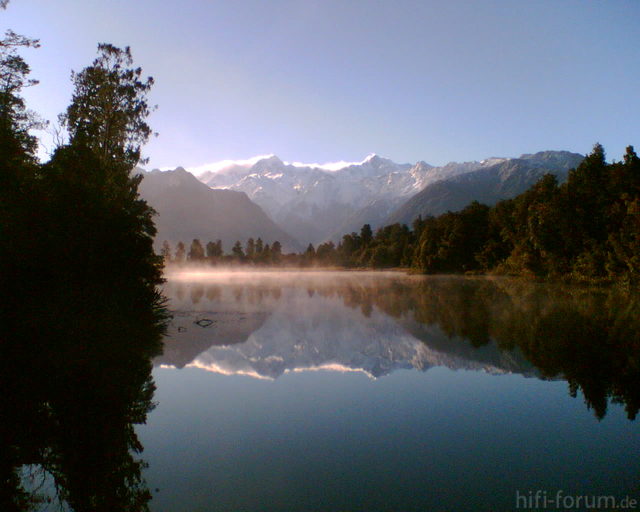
[(585, 229), (80, 313)]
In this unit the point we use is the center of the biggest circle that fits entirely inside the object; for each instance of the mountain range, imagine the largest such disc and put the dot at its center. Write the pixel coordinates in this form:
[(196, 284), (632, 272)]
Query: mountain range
[(301, 204), (189, 209), (488, 185)]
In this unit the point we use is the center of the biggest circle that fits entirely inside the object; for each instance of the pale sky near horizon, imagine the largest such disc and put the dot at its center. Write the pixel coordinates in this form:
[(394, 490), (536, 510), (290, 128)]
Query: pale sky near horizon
[(324, 81)]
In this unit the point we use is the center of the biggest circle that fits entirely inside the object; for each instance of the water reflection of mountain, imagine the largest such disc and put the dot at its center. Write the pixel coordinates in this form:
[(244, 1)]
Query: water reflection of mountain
[(268, 329), (195, 332), (266, 324)]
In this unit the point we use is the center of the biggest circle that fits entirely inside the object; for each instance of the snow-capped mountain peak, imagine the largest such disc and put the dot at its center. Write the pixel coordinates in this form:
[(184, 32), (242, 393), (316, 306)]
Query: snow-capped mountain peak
[(316, 202), (268, 163), (372, 157)]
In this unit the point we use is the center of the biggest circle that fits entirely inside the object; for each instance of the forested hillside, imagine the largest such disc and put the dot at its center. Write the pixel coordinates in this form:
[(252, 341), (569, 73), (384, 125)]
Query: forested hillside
[(586, 228)]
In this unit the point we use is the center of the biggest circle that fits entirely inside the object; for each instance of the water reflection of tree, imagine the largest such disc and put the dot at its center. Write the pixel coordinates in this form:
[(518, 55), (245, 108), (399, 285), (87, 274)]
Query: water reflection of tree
[(77, 367), (590, 337), (80, 316)]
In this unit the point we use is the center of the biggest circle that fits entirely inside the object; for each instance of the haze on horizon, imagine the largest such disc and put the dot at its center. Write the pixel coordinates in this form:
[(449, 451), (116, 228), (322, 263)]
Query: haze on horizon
[(330, 81)]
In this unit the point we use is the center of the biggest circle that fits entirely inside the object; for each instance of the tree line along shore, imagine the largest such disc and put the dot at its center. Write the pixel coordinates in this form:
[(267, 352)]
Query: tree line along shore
[(586, 229)]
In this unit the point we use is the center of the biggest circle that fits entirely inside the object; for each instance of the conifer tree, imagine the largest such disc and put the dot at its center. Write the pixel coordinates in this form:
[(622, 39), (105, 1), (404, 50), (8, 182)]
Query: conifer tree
[(237, 251), (110, 226), (196, 252), (180, 252), (165, 252), (276, 251), (15, 119), (251, 249)]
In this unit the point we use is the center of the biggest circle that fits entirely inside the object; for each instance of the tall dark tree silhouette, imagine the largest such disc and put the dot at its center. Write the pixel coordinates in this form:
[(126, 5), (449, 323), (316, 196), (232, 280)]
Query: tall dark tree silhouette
[(78, 385), (17, 154), (109, 108), (250, 249), (15, 119), (366, 234), (165, 251), (92, 174)]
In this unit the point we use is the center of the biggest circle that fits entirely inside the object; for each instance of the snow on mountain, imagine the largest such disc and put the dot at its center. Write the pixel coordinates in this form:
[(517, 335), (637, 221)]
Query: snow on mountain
[(310, 202), (315, 203), (496, 179)]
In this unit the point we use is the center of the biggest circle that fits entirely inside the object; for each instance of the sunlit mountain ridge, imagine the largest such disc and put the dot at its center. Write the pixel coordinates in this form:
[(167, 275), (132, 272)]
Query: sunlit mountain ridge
[(299, 204), (315, 204)]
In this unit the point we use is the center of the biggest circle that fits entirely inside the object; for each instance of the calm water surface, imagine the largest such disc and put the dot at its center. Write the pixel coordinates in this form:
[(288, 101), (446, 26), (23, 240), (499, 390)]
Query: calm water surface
[(379, 391)]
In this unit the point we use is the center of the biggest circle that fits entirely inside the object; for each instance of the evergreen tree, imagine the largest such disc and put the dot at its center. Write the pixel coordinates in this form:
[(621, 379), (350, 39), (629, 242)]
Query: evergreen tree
[(251, 249), (309, 255), (196, 252), (276, 252), (366, 234), (15, 119), (165, 252), (109, 108), (180, 253), (326, 253), (214, 251), (587, 188), (110, 226), (86, 216), (21, 200), (266, 257), (237, 252), (348, 248)]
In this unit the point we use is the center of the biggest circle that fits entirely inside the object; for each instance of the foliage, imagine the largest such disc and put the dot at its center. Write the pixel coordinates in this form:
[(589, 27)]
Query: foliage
[(586, 336), (196, 252), (80, 311), (109, 108), (15, 119), (585, 229)]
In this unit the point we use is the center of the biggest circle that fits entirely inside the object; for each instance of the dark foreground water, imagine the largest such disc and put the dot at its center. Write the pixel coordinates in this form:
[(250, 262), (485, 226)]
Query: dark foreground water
[(382, 392)]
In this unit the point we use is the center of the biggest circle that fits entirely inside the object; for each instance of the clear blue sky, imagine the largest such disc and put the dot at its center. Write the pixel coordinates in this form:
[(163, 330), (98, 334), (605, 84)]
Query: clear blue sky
[(319, 81)]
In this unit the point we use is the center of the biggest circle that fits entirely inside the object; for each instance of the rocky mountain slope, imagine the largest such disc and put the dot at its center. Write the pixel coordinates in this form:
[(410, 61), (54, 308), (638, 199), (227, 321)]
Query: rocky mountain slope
[(311, 204), (314, 204)]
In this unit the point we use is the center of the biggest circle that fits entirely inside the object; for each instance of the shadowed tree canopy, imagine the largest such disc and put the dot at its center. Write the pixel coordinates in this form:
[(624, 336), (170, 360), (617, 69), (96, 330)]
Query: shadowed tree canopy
[(109, 107), (107, 126), (15, 119), (80, 311)]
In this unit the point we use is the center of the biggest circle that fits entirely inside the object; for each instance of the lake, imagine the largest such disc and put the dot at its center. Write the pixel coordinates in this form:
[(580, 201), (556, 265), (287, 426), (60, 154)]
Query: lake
[(376, 391)]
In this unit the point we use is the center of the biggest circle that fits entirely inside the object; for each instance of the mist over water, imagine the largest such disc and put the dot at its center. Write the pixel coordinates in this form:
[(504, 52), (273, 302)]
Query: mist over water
[(312, 390), (494, 324)]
